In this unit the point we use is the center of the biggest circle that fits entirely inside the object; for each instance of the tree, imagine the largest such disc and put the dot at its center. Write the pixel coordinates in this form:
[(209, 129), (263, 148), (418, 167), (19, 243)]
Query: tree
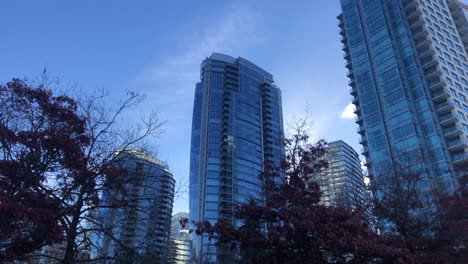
[(107, 135), (291, 226), (57, 156), (454, 224), (415, 218), (40, 135)]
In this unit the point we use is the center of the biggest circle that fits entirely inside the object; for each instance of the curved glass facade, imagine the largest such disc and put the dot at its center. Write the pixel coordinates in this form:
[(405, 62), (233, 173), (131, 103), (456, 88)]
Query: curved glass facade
[(239, 116), (404, 104), (342, 183), (139, 230)]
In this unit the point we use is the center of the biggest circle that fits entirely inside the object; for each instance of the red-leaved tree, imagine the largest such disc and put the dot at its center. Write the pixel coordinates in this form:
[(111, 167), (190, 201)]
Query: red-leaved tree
[(290, 225), (56, 158), (40, 135)]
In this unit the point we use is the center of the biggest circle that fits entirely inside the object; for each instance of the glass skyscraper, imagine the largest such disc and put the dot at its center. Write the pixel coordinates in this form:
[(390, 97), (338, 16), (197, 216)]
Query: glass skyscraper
[(237, 127), (342, 183), (408, 71), (138, 230)]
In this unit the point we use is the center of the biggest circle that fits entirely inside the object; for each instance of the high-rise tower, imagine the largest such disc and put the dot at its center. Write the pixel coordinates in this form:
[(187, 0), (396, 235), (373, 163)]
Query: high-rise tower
[(342, 183), (137, 229), (237, 127), (408, 71)]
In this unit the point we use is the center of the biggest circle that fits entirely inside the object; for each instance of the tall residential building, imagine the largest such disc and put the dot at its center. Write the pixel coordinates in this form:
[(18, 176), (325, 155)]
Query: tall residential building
[(138, 229), (237, 127), (342, 183), (180, 244), (176, 227), (408, 71)]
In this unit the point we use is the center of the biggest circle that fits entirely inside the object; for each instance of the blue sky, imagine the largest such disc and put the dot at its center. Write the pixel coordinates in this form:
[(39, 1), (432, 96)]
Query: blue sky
[(156, 47)]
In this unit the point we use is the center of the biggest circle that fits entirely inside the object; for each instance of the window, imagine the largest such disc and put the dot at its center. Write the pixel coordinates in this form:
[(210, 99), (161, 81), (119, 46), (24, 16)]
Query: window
[(450, 65), (465, 127), (441, 38), (457, 104), (461, 115), (452, 92), (450, 43), (463, 97), (457, 62), (458, 87), (449, 81), (464, 81)]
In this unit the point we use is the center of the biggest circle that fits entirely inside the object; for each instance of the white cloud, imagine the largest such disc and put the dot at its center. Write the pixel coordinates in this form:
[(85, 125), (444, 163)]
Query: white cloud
[(234, 32), (348, 112)]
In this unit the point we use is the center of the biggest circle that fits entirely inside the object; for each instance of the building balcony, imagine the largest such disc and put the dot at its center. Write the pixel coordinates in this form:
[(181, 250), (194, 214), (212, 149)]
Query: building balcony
[(349, 65), (414, 24), (342, 29), (453, 131), (420, 33), (355, 100), (363, 140), (428, 62), (413, 13), (423, 42), (426, 52), (444, 107), (440, 95), (365, 151), (457, 144), (357, 110), (436, 84), (359, 120), (361, 130), (432, 73), (350, 74), (353, 91), (345, 47), (460, 158), (352, 82), (409, 4), (448, 119), (347, 56)]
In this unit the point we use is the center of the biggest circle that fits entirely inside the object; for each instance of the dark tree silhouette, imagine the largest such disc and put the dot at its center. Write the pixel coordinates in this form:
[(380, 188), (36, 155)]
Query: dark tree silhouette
[(416, 219), (56, 158), (291, 226), (40, 135)]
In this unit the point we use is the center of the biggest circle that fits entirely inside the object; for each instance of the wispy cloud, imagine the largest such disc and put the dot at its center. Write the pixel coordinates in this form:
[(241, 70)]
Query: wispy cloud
[(170, 82), (348, 112), (235, 31)]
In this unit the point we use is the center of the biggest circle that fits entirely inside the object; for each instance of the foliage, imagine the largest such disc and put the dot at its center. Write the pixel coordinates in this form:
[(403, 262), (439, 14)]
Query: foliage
[(291, 226), (412, 217), (40, 135), (57, 156)]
